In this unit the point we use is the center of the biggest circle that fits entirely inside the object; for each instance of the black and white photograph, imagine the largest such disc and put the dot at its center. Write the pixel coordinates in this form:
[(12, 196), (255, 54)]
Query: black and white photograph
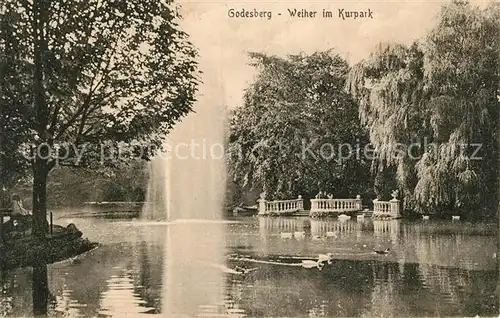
[(249, 158)]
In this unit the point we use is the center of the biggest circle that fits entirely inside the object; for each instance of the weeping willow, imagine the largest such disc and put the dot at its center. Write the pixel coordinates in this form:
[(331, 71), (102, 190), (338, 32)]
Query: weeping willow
[(440, 95)]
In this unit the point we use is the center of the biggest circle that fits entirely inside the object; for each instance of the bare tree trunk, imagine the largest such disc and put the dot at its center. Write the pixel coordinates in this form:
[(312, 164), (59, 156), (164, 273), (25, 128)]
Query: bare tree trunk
[(40, 162), (40, 290), (40, 224)]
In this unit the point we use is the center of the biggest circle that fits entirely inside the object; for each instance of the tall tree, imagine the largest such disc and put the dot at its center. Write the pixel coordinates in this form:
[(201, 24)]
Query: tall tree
[(442, 95), (462, 64), (14, 93), (102, 75), (287, 137), (389, 87)]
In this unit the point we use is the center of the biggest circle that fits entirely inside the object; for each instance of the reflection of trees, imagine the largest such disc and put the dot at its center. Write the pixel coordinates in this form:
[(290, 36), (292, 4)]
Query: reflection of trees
[(66, 305), (40, 288), (5, 295), (340, 289), (430, 251), (16, 285), (318, 311), (449, 259), (384, 296), (449, 245), (137, 264), (148, 270), (121, 298)]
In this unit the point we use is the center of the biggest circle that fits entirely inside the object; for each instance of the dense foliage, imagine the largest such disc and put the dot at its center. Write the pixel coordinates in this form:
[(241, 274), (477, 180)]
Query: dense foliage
[(430, 110), (93, 74), (286, 139), (441, 96)]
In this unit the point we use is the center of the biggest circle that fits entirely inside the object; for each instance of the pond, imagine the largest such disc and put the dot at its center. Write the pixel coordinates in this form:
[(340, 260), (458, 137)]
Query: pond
[(433, 268)]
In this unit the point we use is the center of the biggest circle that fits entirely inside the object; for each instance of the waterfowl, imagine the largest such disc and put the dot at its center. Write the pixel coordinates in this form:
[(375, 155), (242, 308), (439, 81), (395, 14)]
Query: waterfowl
[(226, 269), (331, 234), (299, 234), (455, 217), (344, 217), (310, 264), (244, 270), (286, 235), (386, 251), (325, 258), (425, 217)]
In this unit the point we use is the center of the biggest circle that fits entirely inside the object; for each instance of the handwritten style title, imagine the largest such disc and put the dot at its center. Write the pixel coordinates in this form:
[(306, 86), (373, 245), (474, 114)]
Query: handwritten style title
[(342, 13)]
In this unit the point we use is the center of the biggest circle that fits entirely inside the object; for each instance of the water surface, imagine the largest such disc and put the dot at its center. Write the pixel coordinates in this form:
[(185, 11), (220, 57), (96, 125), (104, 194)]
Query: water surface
[(434, 268)]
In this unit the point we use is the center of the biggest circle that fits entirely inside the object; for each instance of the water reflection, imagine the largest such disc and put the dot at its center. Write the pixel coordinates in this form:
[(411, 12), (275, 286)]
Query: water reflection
[(40, 290), (118, 278), (194, 277), (433, 269)]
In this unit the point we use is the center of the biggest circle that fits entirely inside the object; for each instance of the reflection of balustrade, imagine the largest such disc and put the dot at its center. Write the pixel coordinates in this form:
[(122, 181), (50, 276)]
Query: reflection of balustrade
[(390, 228), (280, 207), (322, 228), (281, 224), (322, 207), (386, 208)]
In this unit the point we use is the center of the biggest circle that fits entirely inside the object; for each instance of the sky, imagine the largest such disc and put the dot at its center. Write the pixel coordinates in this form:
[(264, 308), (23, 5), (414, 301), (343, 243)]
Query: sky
[(223, 42)]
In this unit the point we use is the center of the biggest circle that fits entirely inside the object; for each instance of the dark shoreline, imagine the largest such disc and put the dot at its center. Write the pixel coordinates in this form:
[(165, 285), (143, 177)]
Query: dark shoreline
[(31, 251)]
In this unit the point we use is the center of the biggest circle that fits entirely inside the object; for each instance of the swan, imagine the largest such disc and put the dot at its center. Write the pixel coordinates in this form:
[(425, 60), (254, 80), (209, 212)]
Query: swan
[(325, 257), (285, 235), (299, 234), (332, 234), (310, 264), (344, 217), (455, 217)]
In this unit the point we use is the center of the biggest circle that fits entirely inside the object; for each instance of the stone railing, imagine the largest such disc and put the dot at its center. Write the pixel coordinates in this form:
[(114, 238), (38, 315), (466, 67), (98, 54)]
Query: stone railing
[(280, 207), (386, 209), (323, 207)]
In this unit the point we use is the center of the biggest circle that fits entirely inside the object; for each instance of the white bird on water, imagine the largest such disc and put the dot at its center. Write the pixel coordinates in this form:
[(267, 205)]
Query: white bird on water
[(325, 258), (310, 264), (332, 234), (285, 235), (316, 238), (299, 234)]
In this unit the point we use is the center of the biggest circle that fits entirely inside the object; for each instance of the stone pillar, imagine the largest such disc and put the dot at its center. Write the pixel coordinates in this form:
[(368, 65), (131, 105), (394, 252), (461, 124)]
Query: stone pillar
[(262, 204), (375, 210), (395, 208), (359, 205), (301, 203)]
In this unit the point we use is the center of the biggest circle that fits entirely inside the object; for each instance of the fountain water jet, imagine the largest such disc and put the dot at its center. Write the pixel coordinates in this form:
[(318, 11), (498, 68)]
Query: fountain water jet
[(157, 192), (187, 186)]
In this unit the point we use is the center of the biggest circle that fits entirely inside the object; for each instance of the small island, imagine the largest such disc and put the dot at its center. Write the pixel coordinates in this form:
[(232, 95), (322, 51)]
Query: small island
[(20, 248)]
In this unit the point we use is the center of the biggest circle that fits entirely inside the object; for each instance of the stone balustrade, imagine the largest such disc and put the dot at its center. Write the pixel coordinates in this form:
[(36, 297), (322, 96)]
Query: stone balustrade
[(280, 207), (386, 209), (324, 207)]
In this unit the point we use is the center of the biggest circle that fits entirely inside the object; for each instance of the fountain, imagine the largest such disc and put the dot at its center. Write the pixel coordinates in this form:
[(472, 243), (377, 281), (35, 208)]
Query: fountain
[(156, 201), (186, 191)]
